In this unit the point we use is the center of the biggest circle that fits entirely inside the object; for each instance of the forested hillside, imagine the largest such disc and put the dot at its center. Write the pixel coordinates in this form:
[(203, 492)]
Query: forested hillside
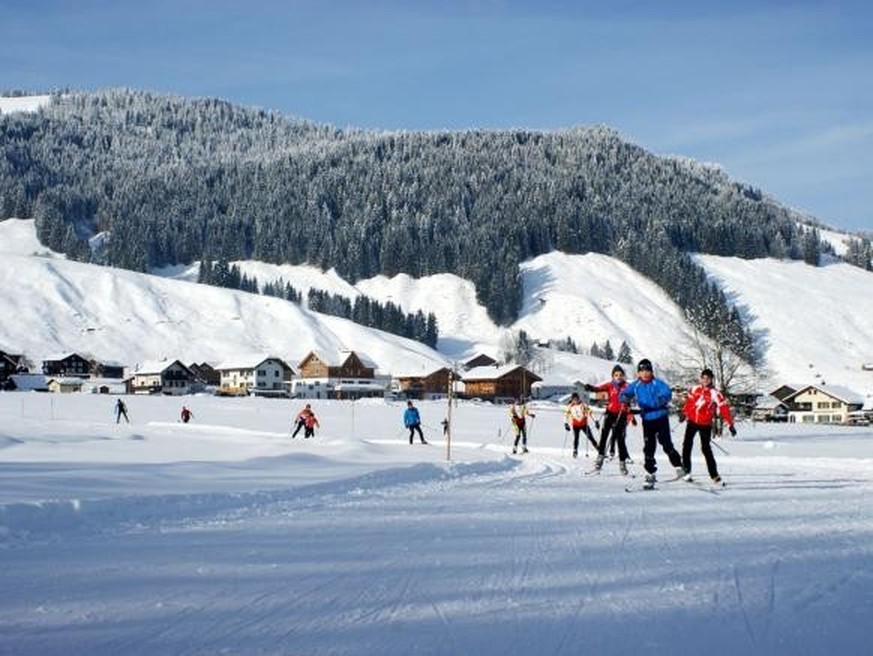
[(171, 180)]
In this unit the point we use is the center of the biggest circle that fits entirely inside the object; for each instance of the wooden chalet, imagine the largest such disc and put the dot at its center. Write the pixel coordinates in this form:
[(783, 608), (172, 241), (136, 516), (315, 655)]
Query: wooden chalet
[(10, 363), (434, 384), (499, 383), (480, 360), (206, 373), (64, 366), (348, 375)]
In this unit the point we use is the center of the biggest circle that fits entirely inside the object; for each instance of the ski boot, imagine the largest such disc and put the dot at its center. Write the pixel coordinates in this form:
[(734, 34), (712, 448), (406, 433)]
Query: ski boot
[(524, 449), (598, 464), (716, 480), (649, 483), (622, 467), (514, 450), (575, 453)]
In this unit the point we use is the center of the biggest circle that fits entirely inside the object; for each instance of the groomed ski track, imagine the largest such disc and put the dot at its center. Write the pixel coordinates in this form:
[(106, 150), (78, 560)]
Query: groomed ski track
[(489, 554)]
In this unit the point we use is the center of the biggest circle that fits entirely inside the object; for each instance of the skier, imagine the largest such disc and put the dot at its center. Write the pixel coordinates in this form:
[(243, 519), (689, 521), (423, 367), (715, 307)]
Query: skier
[(576, 416), (412, 420), (300, 419), (703, 405), (615, 419), (186, 415), (519, 413), (311, 422), (653, 398), (121, 411)]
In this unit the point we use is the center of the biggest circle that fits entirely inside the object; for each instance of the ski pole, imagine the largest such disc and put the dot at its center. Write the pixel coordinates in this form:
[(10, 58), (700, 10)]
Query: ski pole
[(720, 447)]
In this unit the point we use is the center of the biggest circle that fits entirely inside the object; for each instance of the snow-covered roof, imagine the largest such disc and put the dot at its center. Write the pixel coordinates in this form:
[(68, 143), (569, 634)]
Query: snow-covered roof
[(30, 382), (768, 402), (146, 368), (69, 380), (836, 391), (252, 362)]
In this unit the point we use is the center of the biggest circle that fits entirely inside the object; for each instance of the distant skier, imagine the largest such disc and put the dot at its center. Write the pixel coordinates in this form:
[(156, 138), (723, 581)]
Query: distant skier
[(186, 414), (311, 422), (614, 425), (703, 405), (653, 397), (518, 414), (121, 411), (576, 416), (300, 419), (412, 420)]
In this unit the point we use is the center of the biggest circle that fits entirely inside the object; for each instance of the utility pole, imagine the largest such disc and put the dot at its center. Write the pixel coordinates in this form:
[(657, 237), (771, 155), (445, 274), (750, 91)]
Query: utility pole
[(450, 396)]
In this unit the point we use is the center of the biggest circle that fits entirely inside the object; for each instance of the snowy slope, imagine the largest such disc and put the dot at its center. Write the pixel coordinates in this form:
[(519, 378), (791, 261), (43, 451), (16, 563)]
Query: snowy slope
[(61, 306), (23, 103), (818, 321)]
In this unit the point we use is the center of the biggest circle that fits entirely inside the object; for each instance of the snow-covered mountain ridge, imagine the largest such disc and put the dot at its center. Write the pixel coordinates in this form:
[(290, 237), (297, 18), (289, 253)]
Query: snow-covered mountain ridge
[(815, 321)]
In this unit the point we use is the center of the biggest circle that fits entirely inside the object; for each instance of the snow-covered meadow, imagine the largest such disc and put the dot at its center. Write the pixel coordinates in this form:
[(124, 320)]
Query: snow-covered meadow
[(226, 536)]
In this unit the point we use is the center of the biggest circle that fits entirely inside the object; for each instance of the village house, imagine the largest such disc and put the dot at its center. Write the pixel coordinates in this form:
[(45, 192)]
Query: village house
[(480, 360), (822, 404), (431, 385), (107, 370), (67, 365), (65, 385), (770, 408), (29, 382), (206, 373), (169, 377), (10, 363), (348, 375), (499, 383), (259, 376)]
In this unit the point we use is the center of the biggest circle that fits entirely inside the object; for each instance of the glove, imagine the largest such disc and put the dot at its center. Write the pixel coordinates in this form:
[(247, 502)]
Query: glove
[(681, 417), (589, 387), (596, 424), (733, 431), (566, 427)]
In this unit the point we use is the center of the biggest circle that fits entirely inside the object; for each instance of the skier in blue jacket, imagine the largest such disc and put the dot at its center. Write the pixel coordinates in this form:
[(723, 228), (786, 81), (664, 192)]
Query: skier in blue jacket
[(653, 398), (412, 420)]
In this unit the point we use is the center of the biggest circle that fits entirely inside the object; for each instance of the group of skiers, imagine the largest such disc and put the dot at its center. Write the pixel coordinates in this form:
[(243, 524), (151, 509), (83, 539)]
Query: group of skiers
[(652, 398)]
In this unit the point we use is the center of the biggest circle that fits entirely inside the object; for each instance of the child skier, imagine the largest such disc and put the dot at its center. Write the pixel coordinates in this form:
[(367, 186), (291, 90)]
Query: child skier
[(186, 414), (576, 416), (703, 405), (653, 398), (615, 419), (412, 420), (311, 422), (300, 419), (519, 413)]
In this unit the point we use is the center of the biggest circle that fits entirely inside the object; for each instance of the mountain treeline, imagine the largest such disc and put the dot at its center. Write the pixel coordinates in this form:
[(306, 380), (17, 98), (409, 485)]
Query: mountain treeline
[(171, 181)]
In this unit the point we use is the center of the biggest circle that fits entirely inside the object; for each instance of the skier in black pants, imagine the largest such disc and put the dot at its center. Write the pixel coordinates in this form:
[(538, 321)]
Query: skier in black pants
[(653, 396), (614, 420), (121, 411), (412, 420)]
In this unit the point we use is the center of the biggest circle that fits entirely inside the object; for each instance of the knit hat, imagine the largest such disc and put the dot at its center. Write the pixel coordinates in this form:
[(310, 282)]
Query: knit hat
[(617, 369), (644, 365)]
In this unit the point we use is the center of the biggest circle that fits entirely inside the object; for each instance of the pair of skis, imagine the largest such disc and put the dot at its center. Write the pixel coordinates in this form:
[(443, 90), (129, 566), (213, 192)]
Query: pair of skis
[(713, 488)]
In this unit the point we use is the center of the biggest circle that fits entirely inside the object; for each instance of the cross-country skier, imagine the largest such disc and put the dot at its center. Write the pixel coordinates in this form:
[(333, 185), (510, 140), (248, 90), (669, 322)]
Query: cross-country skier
[(614, 419), (703, 405), (412, 420), (653, 397), (186, 414), (300, 419), (576, 416), (518, 414), (121, 411), (311, 422)]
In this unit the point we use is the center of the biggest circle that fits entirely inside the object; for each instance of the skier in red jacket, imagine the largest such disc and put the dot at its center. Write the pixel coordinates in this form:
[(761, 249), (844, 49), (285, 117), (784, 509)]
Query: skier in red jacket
[(703, 405), (614, 419)]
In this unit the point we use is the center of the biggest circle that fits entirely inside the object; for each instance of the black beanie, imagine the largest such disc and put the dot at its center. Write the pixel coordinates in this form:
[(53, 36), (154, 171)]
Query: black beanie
[(645, 365)]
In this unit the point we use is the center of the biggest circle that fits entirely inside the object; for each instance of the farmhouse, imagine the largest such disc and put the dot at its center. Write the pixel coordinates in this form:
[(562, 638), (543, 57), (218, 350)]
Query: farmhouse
[(66, 365), (165, 377), (260, 376), (430, 385), (348, 375), (499, 383), (825, 404)]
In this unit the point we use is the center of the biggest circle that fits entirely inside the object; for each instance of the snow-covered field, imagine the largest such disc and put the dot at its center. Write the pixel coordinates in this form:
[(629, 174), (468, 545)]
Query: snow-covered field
[(225, 536)]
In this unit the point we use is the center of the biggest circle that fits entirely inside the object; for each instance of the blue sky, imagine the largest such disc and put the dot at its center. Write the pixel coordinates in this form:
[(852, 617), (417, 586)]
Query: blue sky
[(779, 93)]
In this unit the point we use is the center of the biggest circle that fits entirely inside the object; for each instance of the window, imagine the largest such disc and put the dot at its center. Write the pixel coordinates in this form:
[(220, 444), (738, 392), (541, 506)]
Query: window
[(821, 405), (807, 419), (836, 404)]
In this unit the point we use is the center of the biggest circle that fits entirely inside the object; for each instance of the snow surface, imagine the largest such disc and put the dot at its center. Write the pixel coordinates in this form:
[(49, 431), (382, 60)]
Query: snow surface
[(225, 536), (9, 105)]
